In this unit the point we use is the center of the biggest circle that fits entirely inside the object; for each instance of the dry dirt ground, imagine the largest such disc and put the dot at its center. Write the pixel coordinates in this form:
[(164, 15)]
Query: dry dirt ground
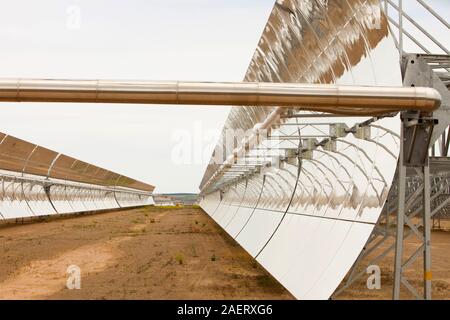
[(157, 253), (440, 240), (146, 253)]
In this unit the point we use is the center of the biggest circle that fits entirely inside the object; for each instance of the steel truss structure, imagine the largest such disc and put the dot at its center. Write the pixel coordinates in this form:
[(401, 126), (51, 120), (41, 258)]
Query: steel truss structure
[(420, 197), (422, 194)]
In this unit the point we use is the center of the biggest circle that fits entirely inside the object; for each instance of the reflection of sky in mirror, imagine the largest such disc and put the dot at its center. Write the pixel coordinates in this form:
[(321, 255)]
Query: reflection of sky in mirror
[(154, 40)]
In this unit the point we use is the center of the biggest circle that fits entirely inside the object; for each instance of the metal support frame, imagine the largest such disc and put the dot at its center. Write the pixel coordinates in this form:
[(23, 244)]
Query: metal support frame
[(399, 219), (416, 194), (396, 14), (413, 197), (442, 145), (412, 156)]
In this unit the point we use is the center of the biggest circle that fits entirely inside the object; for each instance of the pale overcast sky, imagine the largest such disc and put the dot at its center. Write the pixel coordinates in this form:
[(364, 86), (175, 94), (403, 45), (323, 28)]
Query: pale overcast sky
[(134, 39), (211, 40)]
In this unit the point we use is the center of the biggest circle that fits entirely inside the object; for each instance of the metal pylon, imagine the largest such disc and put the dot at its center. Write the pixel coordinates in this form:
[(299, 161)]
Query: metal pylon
[(415, 138)]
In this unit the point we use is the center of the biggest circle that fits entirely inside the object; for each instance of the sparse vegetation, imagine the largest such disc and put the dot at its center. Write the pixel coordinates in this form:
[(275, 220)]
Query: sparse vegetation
[(167, 261), (169, 207), (143, 260), (179, 258)]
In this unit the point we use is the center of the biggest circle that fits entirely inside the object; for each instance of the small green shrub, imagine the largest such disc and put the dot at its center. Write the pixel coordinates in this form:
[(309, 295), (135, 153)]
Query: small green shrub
[(179, 258)]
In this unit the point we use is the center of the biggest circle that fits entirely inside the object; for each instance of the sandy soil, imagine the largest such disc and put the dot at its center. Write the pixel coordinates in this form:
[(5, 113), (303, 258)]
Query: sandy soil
[(147, 253), (161, 253), (440, 240)]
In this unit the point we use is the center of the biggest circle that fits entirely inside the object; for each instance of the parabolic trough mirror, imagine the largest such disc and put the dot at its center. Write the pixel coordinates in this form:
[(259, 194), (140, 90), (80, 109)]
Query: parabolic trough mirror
[(307, 218), (37, 181)]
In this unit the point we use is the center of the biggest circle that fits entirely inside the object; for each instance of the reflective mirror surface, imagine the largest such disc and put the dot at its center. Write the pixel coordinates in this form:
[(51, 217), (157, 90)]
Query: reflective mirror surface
[(307, 218), (37, 181)]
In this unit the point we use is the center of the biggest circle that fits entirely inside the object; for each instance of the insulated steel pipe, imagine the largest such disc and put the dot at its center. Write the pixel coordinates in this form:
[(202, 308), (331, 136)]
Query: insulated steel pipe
[(351, 100)]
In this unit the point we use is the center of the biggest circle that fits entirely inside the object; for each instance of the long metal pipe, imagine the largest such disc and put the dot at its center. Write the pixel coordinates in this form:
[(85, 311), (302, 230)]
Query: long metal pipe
[(351, 100)]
